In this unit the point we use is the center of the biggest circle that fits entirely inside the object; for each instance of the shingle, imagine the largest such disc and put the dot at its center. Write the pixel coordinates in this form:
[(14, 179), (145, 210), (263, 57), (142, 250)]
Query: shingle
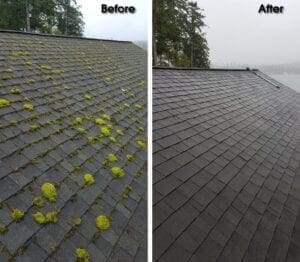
[(242, 177)]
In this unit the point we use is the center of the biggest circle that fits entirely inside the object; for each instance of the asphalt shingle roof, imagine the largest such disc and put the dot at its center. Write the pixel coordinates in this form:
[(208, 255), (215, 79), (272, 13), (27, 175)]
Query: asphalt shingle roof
[(226, 171), (70, 82)]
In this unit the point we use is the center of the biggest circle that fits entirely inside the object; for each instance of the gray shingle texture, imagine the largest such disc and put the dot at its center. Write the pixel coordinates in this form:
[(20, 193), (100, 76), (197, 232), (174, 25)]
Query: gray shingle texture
[(64, 79), (226, 158)]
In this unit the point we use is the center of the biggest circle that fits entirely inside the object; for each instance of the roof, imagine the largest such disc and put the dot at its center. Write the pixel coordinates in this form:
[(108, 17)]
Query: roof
[(65, 105), (226, 171)]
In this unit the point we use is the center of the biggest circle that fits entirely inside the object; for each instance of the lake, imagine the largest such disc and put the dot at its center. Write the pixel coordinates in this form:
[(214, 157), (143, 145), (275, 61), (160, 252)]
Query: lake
[(291, 80)]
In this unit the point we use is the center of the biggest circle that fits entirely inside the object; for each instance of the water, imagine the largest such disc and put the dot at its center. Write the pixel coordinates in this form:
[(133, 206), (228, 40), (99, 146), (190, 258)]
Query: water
[(291, 80)]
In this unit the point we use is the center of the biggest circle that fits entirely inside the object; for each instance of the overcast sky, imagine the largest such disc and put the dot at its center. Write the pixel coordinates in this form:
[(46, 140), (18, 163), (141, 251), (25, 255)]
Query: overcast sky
[(131, 27), (236, 33)]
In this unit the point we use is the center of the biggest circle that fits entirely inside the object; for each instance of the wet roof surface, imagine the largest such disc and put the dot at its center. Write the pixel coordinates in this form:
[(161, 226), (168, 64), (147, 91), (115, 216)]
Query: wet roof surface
[(226, 171), (52, 90)]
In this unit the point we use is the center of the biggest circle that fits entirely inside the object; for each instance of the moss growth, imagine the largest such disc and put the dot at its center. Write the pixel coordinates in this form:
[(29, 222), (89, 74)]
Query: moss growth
[(102, 222), (9, 70), (142, 144), (33, 127), (99, 121), (49, 192), (76, 221), (117, 172), (88, 97), (13, 122), (52, 217), (141, 129), (3, 229), (28, 63), (138, 107), (88, 179), (77, 121), (45, 67), (111, 158), (4, 102), (120, 132), (28, 107), (142, 83), (112, 139), (39, 218), (106, 117), (31, 81), (17, 214), (105, 131), (15, 91), (38, 201), (126, 191), (130, 157), (81, 130), (57, 71), (126, 105), (82, 255)]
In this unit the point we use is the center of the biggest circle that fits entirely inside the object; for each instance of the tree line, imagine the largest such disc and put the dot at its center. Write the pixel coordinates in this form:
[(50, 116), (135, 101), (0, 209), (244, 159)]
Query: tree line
[(60, 17), (178, 39)]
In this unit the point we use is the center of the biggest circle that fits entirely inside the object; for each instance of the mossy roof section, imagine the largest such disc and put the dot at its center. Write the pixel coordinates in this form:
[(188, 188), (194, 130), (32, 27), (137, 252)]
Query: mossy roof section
[(54, 74), (226, 166)]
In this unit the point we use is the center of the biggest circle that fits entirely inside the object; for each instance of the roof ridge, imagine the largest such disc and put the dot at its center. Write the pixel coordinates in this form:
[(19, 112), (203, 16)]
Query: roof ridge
[(61, 36), (204, 69)]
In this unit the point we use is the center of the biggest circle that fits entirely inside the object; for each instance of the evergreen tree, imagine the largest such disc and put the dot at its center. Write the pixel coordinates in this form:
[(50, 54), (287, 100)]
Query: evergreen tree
[(178, 39), (46, 16)]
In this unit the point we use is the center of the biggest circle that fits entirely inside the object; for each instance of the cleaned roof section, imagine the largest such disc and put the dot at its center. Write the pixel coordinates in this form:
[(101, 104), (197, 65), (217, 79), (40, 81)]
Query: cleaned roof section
[(57, 88), (226, 171)]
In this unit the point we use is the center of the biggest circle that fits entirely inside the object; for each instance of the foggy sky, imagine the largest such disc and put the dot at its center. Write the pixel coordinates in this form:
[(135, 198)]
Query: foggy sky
[(131, 27), (236, 33)]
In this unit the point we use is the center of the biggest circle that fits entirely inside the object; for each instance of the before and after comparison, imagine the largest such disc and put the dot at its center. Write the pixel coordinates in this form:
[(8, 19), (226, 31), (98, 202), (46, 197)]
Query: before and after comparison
[(149, 130)]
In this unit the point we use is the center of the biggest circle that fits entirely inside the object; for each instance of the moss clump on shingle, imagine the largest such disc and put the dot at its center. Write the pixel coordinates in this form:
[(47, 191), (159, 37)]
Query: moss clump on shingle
[(120, 132), (52, 217), (117, 172), (3, 229), (77, 121), (39, 218), (9, 70), (38, 201), (88, 97), (33, 127), (49, 191), (82, 255), (99, 121), (81, 130), (126, 191), (45, 67), (28, 107), (138, 107), (15, 91), (105, 131), (106, 117), (142, 144), (4, 102), (102, 222), (88, 179), (112, 158), (17, 214), (130, 157)]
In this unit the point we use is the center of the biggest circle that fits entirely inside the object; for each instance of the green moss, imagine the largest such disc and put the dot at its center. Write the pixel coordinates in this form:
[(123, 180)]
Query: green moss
[(106, 117), (138, 107), (31, 81), (117, 172), (28, 107), (49, 191), (82, 255), (34, 127), (9, 70), (112, 139), (99, 121), (102, 222), (3, 229), (130, 157), (38, 201), (142, 83), (141, 129), (4, 102), (142, 144), (88, 97), (105, 131), (39, 218), (52, 217), (111, 158), (13, 122), (57, 71), (81, 130), (126, 105), (45, 67), (17, 214), (76, 221), (28, 63), (77, 121), (120, 132), (126, 191), (88, 179), (15, 91)]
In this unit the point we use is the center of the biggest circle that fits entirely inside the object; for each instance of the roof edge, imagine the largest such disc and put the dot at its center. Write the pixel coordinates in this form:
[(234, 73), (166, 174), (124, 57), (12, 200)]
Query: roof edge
[(60, 36), (204, 69)]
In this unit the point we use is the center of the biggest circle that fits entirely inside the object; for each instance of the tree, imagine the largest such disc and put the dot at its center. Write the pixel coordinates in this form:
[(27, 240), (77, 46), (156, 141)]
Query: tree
[(178, 39), (47, 16)]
